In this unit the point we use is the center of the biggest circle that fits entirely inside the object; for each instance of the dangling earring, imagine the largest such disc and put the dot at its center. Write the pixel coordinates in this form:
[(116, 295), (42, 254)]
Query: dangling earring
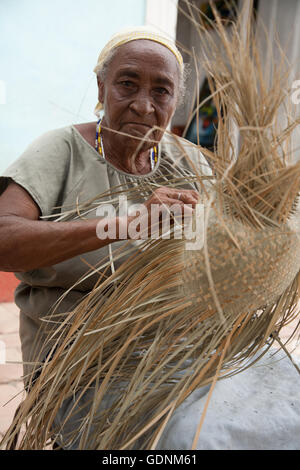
[(98, 142)]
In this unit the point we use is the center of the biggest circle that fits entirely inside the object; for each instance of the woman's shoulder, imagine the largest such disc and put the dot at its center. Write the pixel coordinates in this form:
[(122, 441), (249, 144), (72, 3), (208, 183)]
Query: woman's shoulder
[(60, 143), (170, 140), (52, 137), (184, 153)]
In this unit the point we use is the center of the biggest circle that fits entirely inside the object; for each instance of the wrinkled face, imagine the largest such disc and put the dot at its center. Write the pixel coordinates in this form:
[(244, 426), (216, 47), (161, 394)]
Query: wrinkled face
[(140, 91)]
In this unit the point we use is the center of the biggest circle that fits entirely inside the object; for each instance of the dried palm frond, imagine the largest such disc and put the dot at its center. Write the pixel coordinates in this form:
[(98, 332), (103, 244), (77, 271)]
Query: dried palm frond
[(170, 320)]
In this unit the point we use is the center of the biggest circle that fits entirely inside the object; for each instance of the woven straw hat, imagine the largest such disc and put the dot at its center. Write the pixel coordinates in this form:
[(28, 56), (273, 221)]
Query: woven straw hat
[(244, 277)]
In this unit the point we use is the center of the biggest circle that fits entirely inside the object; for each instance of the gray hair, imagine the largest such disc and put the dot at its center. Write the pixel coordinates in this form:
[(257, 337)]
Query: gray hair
[(183, 74)]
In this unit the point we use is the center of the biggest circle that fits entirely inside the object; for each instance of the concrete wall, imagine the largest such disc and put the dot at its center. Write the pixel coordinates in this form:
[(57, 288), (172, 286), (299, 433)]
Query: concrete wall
[(48, 51)]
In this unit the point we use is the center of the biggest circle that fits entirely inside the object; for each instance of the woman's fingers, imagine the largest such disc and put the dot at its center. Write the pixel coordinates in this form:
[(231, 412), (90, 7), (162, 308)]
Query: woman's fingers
[(165, 195), (187, 197), (167, 206)]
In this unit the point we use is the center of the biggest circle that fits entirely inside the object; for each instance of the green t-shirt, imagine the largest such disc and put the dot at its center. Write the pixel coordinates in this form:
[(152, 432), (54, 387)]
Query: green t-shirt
[(60, 170)]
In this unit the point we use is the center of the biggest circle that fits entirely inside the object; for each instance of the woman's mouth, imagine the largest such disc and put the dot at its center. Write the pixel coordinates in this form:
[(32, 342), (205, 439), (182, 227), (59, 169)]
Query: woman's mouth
[(138, 128), (139, 125)]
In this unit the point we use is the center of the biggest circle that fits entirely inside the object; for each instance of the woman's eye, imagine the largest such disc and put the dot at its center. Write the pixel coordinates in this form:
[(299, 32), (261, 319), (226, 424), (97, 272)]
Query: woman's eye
[(162, 91), (127, 83)]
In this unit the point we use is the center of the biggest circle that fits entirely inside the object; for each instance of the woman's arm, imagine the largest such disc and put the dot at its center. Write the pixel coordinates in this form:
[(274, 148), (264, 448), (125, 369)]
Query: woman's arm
[(27, 243)]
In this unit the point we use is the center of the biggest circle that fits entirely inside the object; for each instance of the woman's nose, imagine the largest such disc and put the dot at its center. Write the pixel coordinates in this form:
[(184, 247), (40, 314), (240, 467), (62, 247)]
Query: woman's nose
[(142, 104)]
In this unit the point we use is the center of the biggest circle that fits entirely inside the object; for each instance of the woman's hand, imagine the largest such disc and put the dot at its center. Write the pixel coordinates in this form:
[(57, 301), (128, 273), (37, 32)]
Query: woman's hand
[(167, 196), (164, 207)]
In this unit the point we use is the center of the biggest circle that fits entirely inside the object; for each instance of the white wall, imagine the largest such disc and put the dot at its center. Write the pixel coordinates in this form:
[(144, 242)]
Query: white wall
[(48, 50), (163, 15)]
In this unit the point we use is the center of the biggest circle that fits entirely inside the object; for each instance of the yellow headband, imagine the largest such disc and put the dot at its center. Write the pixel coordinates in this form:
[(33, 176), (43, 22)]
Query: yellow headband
[(142, 32)]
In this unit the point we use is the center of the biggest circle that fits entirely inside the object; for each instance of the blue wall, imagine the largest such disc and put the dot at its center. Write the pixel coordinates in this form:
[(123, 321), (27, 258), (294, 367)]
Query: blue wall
[(48, 50)]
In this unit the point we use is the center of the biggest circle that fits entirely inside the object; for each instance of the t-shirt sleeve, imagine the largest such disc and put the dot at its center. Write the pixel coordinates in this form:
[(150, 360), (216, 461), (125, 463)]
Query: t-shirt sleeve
[(42, 170)]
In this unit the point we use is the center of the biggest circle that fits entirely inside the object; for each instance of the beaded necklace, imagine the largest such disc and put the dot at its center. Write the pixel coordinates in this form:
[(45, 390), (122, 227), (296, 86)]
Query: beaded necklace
[(100, 148)]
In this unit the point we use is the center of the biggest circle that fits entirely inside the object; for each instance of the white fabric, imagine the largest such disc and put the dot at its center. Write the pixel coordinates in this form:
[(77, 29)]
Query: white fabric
[(258, 409)]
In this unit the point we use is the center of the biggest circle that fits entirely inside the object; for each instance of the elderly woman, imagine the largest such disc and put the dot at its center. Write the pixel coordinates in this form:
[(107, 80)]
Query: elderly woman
[(140, 78)]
